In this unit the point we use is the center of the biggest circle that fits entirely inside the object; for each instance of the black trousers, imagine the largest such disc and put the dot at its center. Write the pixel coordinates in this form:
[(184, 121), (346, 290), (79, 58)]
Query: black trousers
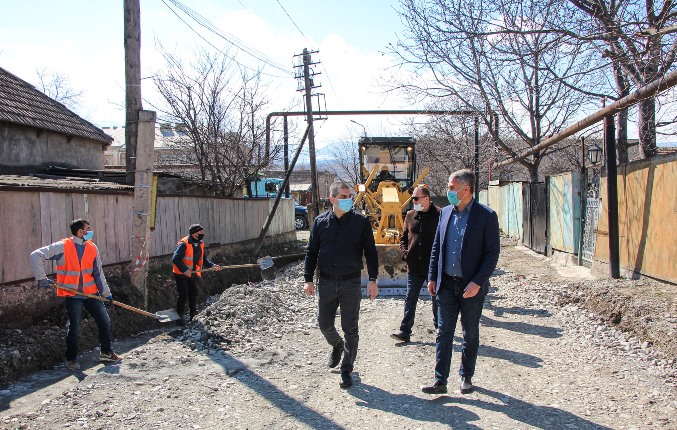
[(187, 289), (348, 294)]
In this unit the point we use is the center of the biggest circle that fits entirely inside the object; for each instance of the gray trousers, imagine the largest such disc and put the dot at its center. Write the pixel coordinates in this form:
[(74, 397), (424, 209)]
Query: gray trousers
[(348, 295)]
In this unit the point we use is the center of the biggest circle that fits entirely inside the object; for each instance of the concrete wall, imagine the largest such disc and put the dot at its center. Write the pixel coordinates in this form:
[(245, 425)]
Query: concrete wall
[(647, 218), (27, 147)]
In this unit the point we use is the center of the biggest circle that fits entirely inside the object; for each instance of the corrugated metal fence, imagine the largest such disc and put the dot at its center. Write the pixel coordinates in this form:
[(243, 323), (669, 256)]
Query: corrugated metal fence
[(31, 219)]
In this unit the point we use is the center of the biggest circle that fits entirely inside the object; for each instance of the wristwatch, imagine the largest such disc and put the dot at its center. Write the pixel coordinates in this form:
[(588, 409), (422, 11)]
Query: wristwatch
[(372, 279)]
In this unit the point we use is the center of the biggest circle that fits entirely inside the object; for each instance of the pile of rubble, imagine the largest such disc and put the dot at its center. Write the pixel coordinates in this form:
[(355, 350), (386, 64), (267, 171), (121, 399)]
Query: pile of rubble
[(244, 317)]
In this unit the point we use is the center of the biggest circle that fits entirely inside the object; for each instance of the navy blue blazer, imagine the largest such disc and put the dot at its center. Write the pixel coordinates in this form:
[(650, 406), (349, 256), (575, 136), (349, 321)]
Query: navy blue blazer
[(480, 249)]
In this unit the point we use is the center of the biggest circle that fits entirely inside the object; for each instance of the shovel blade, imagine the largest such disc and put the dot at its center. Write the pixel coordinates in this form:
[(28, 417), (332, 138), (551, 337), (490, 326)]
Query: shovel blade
[(167, 315), (267, 266)]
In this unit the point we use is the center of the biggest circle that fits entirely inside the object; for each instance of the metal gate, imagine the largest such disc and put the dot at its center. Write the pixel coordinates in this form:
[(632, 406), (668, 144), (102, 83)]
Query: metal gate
[(534, 218), (590, 228)]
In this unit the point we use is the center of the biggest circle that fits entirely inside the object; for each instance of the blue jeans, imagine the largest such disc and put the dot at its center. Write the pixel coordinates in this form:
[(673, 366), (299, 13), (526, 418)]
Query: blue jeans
[(97, 310), (414, 284), (348, 294), (450, 303)]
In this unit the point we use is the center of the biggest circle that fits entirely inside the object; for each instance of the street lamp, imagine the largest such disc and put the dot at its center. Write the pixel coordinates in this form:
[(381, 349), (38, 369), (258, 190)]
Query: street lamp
[(363, 127), (595, 154)]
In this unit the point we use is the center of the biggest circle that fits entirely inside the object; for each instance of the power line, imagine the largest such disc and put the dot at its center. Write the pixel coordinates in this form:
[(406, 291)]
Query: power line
[(228, 37), (216, 48)]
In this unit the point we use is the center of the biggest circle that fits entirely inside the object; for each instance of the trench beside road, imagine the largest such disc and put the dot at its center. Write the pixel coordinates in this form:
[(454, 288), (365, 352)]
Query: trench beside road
[(254, 358)]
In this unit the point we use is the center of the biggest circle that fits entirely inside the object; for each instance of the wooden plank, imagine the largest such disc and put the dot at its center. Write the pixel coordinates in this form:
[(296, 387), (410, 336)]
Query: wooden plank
[(22, 216)]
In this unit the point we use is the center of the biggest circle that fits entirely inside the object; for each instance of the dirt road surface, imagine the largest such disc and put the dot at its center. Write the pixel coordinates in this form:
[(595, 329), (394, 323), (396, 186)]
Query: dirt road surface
[(255, 359)]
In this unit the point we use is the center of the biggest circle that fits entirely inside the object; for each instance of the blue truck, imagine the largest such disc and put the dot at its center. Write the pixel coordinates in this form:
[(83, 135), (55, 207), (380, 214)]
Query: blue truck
[(268, 188)]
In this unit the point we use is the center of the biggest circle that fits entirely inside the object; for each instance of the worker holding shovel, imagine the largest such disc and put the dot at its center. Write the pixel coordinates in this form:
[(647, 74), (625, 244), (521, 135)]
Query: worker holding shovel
[(188, 261), (78, 267)]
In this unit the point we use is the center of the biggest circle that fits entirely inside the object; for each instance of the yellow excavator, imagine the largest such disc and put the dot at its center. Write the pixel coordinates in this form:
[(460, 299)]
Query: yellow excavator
[(387, 180)]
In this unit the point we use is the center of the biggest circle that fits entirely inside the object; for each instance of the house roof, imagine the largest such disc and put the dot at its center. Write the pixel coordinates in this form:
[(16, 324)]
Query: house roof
[(165, 136), (300, 187), (21, 103)]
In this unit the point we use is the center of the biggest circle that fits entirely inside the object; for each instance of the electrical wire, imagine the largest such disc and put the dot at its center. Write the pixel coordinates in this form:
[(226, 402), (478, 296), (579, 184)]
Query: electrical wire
[(228, 37)]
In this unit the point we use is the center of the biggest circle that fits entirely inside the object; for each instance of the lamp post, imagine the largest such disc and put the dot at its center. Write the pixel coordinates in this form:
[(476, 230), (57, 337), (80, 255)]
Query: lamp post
[(363, 127), (595, 157)]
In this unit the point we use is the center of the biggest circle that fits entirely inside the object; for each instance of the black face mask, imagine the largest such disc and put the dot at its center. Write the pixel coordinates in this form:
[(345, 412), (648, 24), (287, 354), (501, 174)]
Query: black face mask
[(200, 236)]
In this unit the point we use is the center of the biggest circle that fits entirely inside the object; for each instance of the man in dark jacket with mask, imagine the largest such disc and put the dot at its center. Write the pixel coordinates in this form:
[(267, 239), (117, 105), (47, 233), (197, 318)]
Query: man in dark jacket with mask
[(416, 244), (338, 239)]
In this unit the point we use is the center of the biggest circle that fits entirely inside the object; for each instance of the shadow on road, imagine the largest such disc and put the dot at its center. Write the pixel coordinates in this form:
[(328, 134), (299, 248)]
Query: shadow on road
[(521, 327), (542, 417), (412, 407), (277, 398), (448, 409)]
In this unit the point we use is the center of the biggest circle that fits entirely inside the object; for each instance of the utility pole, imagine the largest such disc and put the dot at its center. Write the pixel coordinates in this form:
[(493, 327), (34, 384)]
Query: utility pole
[(286, 155), (139, 149), (132, 29), (612, 196), (308, 85)]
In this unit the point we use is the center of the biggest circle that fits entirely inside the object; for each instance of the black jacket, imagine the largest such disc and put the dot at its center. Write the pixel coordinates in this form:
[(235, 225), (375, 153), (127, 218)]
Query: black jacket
[(417, 239), (337, 245)]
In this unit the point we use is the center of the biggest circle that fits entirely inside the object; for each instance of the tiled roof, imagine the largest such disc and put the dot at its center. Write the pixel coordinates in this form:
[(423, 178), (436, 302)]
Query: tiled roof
[(23, 104)]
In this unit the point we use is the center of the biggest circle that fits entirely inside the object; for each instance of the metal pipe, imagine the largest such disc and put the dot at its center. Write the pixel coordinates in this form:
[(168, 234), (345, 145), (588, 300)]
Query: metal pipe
[(645, 92), (612, 196)]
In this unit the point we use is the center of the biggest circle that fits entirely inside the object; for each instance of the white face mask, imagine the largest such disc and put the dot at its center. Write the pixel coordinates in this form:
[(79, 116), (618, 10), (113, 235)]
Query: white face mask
[(418, 207)]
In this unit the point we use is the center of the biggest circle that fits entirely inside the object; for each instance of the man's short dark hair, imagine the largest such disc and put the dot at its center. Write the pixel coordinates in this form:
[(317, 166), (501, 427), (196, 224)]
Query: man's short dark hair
[(78, 224), (424, 189)]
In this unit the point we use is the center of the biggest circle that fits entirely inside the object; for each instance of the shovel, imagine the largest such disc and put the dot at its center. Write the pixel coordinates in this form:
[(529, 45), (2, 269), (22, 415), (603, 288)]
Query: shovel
[(162, 316), (266, 265)]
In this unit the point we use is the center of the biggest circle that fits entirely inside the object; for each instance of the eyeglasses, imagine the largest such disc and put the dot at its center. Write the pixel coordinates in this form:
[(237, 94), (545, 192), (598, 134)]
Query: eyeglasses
[(416, 198)]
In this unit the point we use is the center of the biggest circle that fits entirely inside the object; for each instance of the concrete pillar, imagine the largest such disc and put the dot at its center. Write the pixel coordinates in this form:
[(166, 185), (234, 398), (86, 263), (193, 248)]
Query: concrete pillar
[(143, 180)]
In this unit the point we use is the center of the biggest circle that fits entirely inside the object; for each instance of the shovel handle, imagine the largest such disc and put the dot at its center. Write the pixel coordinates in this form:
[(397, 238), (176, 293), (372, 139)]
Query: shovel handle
[(237, 266), (93, 296)]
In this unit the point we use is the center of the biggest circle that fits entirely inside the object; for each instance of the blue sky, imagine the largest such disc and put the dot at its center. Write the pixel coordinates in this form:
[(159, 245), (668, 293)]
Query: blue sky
[(83, 40)]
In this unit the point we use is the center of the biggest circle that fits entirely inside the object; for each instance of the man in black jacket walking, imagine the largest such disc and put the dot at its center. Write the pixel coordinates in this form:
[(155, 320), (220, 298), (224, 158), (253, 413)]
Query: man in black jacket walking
[(338, 239), (416, 244)]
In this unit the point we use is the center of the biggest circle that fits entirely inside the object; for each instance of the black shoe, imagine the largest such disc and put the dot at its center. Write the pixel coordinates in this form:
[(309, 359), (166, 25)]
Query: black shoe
[(346, 380), (401, 336), (436, 388), (466, 384), (335, 356)]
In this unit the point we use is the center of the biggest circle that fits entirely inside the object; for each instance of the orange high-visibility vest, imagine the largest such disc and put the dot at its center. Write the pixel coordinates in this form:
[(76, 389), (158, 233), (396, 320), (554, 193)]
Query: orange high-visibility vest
[(69, 274), (188, 258)]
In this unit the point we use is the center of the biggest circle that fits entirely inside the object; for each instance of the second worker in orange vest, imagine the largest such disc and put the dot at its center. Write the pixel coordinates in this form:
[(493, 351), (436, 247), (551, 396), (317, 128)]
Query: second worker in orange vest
[(188, 261)]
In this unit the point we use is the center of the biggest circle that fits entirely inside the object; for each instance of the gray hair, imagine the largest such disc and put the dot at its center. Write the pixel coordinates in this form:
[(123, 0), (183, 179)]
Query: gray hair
[(336, 186), (464, 176)]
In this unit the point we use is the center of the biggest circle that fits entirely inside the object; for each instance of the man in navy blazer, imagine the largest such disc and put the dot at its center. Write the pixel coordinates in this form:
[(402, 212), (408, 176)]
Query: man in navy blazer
[(464, 256)]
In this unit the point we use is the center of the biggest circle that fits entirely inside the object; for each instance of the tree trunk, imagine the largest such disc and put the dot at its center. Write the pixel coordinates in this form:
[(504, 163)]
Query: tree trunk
[(622, 137), (647, 128)]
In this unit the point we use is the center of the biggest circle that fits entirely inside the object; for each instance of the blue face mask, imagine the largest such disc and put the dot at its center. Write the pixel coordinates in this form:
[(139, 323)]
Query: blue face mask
[(452, 196), (89, 235), (345, 204)]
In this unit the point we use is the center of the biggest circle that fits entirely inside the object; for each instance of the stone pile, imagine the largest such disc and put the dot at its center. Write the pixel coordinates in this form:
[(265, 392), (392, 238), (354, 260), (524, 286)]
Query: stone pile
[(249, 317)]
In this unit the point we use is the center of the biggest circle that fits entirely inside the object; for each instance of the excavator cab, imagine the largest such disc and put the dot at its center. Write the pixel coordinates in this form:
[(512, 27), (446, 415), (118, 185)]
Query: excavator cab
[(387, 178)]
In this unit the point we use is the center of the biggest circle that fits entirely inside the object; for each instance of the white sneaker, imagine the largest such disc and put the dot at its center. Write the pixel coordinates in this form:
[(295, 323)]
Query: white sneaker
[(73, 365)]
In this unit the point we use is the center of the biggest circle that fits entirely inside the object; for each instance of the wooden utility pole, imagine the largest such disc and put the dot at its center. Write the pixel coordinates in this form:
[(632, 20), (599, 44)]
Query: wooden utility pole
[(311, 134), (139, 141), (132, 29)]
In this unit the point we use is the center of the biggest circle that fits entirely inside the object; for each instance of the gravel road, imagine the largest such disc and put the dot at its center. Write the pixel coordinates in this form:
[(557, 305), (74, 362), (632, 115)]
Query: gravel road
[(255, 359)]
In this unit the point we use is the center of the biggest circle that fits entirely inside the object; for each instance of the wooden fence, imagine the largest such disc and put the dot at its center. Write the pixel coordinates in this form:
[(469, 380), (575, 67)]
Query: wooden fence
[(31, 219)]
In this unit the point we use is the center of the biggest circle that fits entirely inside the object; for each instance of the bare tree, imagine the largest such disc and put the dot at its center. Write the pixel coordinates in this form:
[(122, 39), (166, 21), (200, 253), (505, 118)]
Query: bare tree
[(345, 161), (223, 112), (633, 35), (58, 87), (531, 79)]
